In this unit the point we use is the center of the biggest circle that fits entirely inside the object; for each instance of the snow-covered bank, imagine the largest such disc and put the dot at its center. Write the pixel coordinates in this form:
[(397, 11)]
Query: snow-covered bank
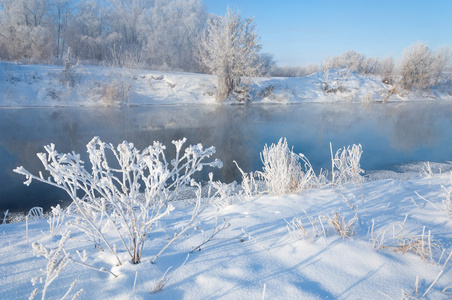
[(257, 251), (38, 85)]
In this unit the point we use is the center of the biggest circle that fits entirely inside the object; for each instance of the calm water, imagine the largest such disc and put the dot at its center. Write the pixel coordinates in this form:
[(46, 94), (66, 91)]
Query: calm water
[(391, 134)]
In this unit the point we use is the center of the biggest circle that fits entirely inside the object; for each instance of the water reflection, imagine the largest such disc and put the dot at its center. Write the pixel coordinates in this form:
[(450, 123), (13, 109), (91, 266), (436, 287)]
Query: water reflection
[(390, 134)]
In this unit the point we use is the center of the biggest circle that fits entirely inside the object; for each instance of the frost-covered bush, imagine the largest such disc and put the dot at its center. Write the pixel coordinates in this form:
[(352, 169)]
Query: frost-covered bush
[(128, 195), (297, 71), (421, 67), (284, 171), (346, 165), (361, 64)]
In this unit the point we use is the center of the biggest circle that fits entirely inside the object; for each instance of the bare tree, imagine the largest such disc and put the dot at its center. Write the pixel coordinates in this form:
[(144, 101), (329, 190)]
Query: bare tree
[(229, 48)]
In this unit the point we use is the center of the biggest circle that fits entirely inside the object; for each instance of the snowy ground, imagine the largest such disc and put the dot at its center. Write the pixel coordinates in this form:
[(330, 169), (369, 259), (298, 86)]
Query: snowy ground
[(37, 85), (256, 256)]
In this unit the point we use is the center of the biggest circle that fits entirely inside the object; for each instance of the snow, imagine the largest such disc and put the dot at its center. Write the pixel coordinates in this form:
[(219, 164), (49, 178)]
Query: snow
[(256, 257), (41, 85), (257, 250)]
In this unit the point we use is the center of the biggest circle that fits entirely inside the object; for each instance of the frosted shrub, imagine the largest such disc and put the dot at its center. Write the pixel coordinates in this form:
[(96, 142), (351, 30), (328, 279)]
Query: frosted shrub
[(284, 171), (346, 165), (129, 196)]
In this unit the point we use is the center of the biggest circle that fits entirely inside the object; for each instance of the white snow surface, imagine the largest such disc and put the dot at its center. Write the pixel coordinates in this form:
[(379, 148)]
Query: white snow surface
[(257, 250), (41, 85)]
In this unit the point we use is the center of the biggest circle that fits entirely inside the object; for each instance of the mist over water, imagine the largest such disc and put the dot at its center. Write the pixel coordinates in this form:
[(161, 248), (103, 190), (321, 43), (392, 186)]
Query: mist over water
[(391, 134)]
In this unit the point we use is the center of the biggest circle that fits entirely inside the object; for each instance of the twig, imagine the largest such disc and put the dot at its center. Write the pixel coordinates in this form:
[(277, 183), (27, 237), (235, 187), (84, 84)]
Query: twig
[(215, 231), (252, 238)]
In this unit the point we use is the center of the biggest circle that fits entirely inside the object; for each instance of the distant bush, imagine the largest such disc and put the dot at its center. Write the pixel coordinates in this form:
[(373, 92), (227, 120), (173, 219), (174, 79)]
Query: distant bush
[(421, 67), (298, 71), (360, 64)]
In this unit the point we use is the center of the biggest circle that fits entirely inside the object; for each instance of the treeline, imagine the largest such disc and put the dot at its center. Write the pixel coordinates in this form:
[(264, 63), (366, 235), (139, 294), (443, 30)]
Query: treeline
[(179, 35), (419, 67), (158, 33)]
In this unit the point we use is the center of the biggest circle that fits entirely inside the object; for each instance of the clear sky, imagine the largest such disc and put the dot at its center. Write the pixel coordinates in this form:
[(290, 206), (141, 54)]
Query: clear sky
[(300, 32)]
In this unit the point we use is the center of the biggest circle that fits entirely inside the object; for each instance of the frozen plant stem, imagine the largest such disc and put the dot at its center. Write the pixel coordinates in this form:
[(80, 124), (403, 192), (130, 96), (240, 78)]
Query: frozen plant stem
[(5, 214), (252, 238), (215, 231), (198, 208), (164, 280)]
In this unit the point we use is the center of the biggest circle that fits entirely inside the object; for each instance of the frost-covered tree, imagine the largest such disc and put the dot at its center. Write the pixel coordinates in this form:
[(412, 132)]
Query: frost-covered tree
[(229, 48), (351, 60), (267, 63), (61, 13), (24, 29), (169, 31), (123, 19), (385, 68), (90, 34), (421, 67)]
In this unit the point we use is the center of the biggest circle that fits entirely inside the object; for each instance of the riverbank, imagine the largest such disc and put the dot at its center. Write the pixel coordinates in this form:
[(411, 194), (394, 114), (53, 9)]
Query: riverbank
[(47, 85)]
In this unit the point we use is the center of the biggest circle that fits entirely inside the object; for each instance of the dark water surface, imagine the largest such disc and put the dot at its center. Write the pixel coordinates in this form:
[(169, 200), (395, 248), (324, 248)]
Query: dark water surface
[(390, 134)]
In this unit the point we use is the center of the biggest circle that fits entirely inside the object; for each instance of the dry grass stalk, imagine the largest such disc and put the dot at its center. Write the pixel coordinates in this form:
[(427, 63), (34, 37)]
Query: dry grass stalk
[(343, 228), (422, 245), (446, 290), (297, 230), (427, 170), (418, 245), (445, 205), (165, 279), (249, 185)]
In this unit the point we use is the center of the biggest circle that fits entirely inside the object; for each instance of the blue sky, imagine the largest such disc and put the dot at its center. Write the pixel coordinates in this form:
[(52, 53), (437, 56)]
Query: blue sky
[(303, 32)]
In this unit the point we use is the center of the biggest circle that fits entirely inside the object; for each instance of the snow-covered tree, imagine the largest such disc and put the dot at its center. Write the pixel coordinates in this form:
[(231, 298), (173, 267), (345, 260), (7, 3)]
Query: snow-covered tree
[(123, 19), (385, 68), (229, 48), (61, 13), (24, 29), (90, 34), (267, 62), (169, 31), (421, 67)]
